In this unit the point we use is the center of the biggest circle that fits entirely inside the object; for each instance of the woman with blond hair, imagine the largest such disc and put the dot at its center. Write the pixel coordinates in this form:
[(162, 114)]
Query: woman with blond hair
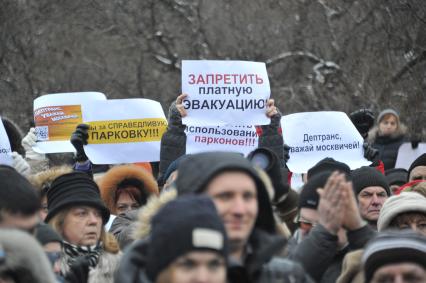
[(77, 212)]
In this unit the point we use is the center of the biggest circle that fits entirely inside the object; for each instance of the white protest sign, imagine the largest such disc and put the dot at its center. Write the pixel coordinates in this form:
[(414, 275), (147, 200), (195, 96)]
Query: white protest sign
[(313, 136), (124, 130), (223, 93), (56, 117), (242, 139), (5, 150), (406, 154)]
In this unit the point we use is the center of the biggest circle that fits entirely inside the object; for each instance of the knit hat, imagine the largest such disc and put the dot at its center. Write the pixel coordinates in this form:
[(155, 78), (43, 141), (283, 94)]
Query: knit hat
[(329, 165), (172, 168), (17, 195), (183, 225), (393, 247), (72, 189), (420, 161), (368, 177), (45, 234), (309, 197), (396, 176), (385, 112), (197, 170), (395, 205)]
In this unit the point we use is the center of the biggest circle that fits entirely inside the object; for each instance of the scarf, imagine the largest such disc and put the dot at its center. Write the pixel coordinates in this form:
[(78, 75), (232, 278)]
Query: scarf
[(74, 252)]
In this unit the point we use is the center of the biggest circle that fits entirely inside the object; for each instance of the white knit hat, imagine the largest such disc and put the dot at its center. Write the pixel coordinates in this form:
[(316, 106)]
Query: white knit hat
[(395, 205)]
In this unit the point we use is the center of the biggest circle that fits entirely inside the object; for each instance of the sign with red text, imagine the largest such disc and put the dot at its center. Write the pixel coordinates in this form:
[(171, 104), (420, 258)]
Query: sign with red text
[(223, 93), (313, 136), (56, 117), (124, 130), (5, 150), (242, 139)]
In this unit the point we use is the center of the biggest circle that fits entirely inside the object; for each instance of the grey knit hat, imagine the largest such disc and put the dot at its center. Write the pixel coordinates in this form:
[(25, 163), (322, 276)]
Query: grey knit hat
[(367, 177), (395, 205), (385, 112)]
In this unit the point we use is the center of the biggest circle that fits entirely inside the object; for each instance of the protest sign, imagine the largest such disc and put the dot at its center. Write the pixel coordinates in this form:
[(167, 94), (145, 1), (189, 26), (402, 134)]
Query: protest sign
[(242, 139), (124, 130), (56, 117), (406, 154), (5, 150), (223, 93), (313, 136)]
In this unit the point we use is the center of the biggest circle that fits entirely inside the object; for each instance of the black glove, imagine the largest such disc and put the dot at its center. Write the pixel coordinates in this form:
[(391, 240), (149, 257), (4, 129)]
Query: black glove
[(286, 153), (370, 153), (79, 271), (415, 143), (78, 139), (363, 119)]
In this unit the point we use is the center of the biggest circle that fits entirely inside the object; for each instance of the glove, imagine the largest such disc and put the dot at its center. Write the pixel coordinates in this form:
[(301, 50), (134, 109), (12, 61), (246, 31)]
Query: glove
[(286, 153), (415, 143), (370, 153), (28, 142), (363, 119), (78, 139), (20, 164), (79, 271)]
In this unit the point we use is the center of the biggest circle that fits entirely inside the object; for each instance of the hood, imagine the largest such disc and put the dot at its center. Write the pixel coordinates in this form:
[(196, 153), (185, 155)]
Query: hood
[(197, 170), (109, 182), (143, 226), (24, 257)]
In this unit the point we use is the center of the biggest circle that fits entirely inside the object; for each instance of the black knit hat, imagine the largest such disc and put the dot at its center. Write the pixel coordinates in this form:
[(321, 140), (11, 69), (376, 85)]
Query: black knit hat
[(393, 247), (329, 165), (45, 234), (197, 170), (72, 189), (309, 197), (420, 161), (396, 176), (183, 225), (367, 177)]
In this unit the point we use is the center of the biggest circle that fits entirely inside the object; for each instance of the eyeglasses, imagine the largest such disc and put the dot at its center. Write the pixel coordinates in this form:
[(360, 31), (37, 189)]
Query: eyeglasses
[(304, 224)]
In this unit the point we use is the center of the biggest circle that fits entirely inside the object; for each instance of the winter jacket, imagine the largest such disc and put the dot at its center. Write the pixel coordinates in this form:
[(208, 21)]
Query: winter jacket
[(122, 228), (387, 146), (260, 266), (104, 270), (320, 255)]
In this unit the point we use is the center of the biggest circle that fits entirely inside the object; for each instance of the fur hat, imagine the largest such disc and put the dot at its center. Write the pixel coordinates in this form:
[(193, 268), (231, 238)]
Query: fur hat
[(395, 205), (73, 189), (125, 175), (393, 247), (367, 177), (420, 161), (177, 230)]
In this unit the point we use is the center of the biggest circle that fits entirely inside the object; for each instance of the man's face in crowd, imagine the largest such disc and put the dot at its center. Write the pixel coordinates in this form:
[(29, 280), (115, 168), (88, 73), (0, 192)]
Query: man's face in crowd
[(370, 202), (400, 273), (235, 197), (19, 221), (308, 218), (418, 173)]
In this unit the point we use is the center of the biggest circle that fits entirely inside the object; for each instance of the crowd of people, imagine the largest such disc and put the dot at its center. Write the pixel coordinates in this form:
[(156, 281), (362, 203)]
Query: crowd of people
[(214, 216)]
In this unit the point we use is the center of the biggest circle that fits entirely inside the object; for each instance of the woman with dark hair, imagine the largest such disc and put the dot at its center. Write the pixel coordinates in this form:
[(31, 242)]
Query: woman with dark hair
[(126, 187)]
